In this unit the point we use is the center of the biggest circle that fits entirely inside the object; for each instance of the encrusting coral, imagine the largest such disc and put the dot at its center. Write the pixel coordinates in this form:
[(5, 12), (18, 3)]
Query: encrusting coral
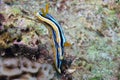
[(14, 67), (24, 62), (23, 55)]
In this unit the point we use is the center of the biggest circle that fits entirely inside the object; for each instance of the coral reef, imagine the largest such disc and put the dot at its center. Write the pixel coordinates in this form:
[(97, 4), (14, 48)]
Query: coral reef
[(24, 69), (20, 61)]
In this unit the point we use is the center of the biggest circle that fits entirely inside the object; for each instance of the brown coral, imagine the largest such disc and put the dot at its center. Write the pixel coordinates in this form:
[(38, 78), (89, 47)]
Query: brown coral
[(11, 67)]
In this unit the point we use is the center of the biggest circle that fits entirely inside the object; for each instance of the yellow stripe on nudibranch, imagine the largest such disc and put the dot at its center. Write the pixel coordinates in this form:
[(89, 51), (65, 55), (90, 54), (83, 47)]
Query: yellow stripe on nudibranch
[(50, 23), (54, 27)]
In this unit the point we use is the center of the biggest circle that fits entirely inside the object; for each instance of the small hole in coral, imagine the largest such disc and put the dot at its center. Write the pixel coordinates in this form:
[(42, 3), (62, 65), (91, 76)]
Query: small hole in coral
[(37, 42), (11, 26), (19, 39), (45, 68), (27, 29), (40, 68), (3, 78), (10, 67), (33, 66), (50, 72), (0, 24), (40, 74), (25, 65), (9, 52), (2, 18)]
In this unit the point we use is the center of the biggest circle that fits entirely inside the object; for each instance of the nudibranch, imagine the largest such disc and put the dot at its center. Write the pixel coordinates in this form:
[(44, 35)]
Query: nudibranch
[(57, 34)]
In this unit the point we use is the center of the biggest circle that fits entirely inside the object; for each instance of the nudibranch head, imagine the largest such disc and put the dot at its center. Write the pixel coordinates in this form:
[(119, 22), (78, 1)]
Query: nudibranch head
[(45, 11)]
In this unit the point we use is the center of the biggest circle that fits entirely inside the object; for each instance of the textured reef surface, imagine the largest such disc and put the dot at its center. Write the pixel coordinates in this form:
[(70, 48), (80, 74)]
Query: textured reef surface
[(24, 69), (91, 26)]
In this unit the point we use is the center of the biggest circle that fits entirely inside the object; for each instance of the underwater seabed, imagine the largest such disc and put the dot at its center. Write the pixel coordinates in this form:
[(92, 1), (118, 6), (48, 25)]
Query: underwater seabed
[(91, 26)]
